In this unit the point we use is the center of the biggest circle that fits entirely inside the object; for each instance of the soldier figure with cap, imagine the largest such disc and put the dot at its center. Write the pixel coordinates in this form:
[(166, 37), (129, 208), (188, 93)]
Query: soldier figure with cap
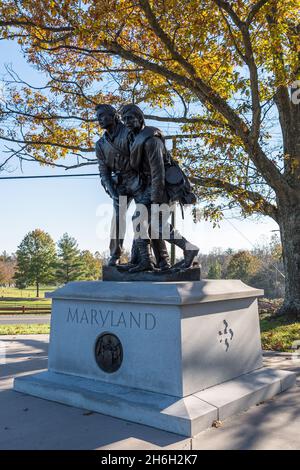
[(147, 156), (115, 172), (120, 179)]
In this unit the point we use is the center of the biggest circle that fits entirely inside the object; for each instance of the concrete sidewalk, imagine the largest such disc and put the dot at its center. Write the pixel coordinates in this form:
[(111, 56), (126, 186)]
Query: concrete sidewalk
[(31, 423)]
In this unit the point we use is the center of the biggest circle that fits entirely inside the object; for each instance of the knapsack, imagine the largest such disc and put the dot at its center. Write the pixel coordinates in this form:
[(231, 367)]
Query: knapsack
[(178, 186)]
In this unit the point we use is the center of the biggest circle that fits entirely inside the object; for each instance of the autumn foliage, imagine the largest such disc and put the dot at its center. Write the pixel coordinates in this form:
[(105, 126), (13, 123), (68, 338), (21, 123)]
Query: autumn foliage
[(226, 73)]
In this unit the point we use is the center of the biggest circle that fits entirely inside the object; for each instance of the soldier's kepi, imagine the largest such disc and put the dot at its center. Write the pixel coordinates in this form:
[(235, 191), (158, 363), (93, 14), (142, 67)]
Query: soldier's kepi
[(120, 179), (147, 156)]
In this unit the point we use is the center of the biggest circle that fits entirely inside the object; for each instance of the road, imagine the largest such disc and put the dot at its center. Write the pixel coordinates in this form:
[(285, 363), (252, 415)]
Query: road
[(24, 319)]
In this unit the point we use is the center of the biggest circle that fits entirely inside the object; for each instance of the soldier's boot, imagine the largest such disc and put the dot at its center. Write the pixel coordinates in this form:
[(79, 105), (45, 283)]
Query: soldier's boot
[(146, 262), (134, 258), (190, 251), (161, 254), (116, 250), (113, 260), (164, 264)]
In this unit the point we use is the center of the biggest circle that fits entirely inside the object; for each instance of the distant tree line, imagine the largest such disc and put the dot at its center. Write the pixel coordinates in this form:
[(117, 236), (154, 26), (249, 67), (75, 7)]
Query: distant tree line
[(39, 261), (262, 267), (8, 265)]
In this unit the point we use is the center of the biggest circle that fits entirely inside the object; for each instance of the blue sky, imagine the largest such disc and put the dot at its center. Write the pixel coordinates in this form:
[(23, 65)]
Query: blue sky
[(78, 205)]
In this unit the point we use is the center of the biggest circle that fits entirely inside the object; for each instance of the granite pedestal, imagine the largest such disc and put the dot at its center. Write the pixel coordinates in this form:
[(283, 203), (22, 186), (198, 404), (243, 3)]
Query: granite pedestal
[(176, 355)]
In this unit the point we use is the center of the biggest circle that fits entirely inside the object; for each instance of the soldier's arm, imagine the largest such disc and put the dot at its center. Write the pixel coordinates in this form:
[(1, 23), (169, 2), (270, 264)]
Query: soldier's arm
[(154, 149), (105, 173)]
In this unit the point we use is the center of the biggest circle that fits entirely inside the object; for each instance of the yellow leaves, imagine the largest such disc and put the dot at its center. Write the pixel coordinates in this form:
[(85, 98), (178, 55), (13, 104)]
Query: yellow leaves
[(197, 31), (4, 34), (53, 8), (78, 45), (16, 97)]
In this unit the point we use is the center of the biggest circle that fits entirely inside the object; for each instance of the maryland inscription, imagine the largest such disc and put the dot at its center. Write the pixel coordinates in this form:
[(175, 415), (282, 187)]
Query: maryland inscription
[(111, 318)]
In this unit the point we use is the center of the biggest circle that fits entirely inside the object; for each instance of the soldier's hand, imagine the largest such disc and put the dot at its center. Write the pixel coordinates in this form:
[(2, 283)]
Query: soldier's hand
[(113, 194)]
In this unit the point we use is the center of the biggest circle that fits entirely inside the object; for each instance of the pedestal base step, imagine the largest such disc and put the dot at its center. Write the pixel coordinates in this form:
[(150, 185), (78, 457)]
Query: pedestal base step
[(186, 416)]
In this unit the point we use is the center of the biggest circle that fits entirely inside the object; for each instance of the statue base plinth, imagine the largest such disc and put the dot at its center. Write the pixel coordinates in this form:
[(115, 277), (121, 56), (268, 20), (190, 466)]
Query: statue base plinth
[(172, 355), (113, 273), (186, 416)]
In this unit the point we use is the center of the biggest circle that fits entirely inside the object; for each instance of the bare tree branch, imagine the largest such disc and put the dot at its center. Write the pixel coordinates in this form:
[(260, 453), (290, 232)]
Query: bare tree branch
[(47, 142), (26, 23), (195, 84), (2, 165), (239, 194)]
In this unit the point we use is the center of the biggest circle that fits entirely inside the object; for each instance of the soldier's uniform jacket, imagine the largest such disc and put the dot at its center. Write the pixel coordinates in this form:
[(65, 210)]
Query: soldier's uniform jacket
[(113, 157), (147, 155)]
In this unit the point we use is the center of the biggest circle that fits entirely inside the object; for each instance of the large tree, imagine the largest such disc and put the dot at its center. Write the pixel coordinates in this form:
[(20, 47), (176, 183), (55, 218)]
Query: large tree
[(232, 65), (215, 270), (69, 266), (243, 265), (36, 260)]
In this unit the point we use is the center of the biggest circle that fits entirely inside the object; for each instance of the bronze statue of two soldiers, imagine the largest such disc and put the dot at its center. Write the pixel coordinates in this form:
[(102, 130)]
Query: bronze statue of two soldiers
[(135, 164)]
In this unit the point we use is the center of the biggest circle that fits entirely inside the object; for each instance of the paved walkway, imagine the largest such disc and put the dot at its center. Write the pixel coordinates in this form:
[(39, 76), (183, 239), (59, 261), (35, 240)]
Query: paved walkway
[(31, 423)]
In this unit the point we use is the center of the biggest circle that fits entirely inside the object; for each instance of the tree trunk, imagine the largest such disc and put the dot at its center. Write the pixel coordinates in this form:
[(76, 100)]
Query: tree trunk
[(37, 289), (289, 223)]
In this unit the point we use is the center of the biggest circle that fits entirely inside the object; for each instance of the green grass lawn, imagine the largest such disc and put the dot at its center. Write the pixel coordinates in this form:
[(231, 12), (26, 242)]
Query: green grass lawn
[(35, 329), (12, 297), (27, 293), (278, 334), (26, 303)]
